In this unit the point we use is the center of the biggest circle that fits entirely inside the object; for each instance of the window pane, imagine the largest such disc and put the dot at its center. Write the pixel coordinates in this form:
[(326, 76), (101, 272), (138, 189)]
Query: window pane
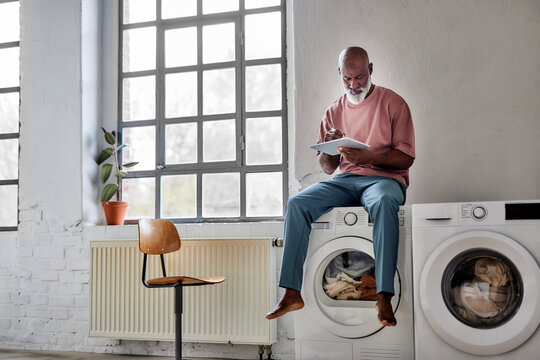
[(219, 91), (219, 141), (221, 195), (252, 4), (263, 141), (9, 113), (139, 98), (263, 87), (179, 196), (140, 194), (8, 210), (181, 47), (175, 8), (217, 6), (263, 35), (139, 11), (9, 18), (9, 159), (181, 94), (139, 49), (141, 147), (181, 143), (264, 194), (218, 43), (9, 71)]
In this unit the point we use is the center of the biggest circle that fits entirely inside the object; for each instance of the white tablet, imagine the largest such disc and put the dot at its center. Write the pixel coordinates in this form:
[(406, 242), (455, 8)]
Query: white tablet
[(330, 147)]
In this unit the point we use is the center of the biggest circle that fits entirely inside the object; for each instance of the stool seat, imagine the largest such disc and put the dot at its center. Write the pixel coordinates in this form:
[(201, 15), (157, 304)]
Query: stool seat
[(185, 280)]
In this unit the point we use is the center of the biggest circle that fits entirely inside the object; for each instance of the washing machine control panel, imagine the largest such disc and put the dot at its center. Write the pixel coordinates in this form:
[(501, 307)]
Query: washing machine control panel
[(346, 217), (477, 212)]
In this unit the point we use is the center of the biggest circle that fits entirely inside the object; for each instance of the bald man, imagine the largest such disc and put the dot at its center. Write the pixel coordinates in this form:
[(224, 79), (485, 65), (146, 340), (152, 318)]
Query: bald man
[(375, 178)]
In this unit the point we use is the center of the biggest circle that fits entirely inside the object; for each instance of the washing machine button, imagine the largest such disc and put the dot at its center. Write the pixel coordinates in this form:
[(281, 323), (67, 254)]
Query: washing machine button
[(350, 218), (479, 212)]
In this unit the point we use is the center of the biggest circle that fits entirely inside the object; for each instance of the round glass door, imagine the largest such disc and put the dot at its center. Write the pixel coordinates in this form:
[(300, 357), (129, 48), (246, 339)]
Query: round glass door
[(482, 288), (339, 287), (479, 292)]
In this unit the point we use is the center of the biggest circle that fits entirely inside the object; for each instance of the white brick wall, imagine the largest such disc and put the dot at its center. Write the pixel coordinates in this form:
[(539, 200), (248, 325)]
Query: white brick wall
[(44, 299)]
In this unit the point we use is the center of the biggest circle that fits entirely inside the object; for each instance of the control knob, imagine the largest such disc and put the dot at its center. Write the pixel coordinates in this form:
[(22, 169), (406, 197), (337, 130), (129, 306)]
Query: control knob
[(350, 218), (479, 212)]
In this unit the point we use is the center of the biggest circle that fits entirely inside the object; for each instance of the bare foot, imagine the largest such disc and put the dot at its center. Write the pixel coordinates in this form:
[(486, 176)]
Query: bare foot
[(384, 309), (291, 300)]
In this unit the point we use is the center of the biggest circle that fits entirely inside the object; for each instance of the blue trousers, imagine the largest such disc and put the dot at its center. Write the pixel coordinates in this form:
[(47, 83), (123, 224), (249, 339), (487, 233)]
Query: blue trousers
[(380, 196)]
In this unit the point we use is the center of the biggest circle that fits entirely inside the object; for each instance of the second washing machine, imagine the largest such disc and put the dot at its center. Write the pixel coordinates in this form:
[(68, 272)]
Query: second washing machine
[(476, 280), (339, 320)]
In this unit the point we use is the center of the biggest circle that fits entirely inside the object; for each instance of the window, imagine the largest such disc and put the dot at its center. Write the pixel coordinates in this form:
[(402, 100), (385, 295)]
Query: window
[(202, 108), (9, 114)]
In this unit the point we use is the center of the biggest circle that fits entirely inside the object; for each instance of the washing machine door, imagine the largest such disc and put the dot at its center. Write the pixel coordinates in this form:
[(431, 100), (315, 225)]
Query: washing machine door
[(479, 292), (339, 287)]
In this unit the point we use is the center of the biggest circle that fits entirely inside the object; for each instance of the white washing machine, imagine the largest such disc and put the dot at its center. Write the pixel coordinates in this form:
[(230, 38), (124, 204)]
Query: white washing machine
[(476, 280), (339, 320)]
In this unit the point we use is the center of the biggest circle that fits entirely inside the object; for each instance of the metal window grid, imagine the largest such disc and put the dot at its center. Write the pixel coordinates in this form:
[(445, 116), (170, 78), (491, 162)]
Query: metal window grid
[(5, 136), (240, 116)]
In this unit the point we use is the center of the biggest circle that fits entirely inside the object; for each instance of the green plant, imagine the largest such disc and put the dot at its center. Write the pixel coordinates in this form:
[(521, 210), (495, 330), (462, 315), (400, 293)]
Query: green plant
[(107, 168)]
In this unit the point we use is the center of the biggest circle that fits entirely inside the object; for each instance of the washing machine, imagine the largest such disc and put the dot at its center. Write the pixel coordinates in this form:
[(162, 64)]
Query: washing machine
[(339, 320), (476, 280)]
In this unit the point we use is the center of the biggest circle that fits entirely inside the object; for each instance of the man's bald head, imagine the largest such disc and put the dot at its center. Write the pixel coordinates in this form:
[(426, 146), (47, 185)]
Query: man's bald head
[(352, 53), (355, 72)]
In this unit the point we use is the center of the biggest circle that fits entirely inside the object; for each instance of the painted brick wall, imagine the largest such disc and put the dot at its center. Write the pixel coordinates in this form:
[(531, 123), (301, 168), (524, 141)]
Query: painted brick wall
[(44, 301)]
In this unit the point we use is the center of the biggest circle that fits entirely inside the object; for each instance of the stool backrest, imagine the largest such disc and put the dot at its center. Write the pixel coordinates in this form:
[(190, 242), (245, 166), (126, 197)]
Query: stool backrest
[(158, 237)]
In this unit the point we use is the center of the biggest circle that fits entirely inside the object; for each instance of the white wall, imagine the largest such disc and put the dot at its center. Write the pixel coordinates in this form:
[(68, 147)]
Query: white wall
[(469, 70)]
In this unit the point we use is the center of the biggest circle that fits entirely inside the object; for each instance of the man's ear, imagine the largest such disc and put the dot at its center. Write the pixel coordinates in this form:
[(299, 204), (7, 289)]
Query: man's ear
[(339, 71), (370, 68)]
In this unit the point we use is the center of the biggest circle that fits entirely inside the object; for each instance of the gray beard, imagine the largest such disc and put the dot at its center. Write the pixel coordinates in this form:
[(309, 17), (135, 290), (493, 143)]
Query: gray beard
[(358, 98)]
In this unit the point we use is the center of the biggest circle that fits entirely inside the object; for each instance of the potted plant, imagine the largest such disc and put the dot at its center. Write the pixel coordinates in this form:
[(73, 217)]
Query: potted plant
[(115, 211)]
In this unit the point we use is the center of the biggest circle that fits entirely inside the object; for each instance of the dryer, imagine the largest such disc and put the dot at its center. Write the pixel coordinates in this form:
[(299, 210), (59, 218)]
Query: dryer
[(476, 280), (330, 327)]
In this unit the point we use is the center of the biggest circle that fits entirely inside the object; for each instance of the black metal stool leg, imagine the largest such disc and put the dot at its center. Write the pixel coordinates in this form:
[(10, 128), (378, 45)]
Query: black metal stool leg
[(178, 319)]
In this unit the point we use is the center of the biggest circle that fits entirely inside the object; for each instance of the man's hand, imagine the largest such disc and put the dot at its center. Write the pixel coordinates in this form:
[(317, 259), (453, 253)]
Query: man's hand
[(329, 163), (333, 134), (356, 156)]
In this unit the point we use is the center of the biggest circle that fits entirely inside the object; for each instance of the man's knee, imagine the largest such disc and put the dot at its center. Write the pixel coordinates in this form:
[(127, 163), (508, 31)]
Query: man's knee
[(297, 202)]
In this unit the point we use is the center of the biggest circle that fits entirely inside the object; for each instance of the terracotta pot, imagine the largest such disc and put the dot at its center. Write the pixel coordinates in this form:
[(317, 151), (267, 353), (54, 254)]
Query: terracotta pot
[(115, 212)]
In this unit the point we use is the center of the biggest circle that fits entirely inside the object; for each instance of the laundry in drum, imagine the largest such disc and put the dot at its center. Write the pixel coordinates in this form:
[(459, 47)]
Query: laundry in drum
[(483, 292), (350, 276)]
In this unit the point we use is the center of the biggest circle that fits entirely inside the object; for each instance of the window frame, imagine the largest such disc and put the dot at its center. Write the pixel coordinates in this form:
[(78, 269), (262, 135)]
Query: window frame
[(240, 115), (8, 136)]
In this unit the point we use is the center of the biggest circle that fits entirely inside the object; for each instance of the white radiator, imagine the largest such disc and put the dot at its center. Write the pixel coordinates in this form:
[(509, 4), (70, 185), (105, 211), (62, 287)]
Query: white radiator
[(233, 311)]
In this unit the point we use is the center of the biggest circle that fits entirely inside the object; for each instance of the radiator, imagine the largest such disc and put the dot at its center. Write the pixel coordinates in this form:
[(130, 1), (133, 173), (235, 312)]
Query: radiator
[(233, 311)]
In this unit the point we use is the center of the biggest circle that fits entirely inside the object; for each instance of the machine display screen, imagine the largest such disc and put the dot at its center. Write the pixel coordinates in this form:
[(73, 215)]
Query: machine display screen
[(528, 211)]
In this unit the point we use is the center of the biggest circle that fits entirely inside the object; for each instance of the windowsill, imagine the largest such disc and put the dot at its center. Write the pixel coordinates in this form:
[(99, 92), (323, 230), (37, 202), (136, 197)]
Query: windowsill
[(190, 231)]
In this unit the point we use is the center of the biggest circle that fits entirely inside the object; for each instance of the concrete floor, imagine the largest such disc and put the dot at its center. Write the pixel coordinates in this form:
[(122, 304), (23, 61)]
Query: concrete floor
[(53, 355)]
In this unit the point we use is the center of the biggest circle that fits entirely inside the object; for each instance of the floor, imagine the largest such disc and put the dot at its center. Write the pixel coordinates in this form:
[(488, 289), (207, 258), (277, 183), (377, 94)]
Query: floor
[(51, 355)]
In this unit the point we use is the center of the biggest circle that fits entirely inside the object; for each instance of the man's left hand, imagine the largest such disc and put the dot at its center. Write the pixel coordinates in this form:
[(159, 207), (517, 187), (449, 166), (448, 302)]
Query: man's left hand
[(356, 156)]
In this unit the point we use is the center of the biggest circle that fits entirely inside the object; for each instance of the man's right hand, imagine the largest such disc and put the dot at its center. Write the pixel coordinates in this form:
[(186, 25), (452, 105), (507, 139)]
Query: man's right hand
[(333, 134), (329, 163)]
